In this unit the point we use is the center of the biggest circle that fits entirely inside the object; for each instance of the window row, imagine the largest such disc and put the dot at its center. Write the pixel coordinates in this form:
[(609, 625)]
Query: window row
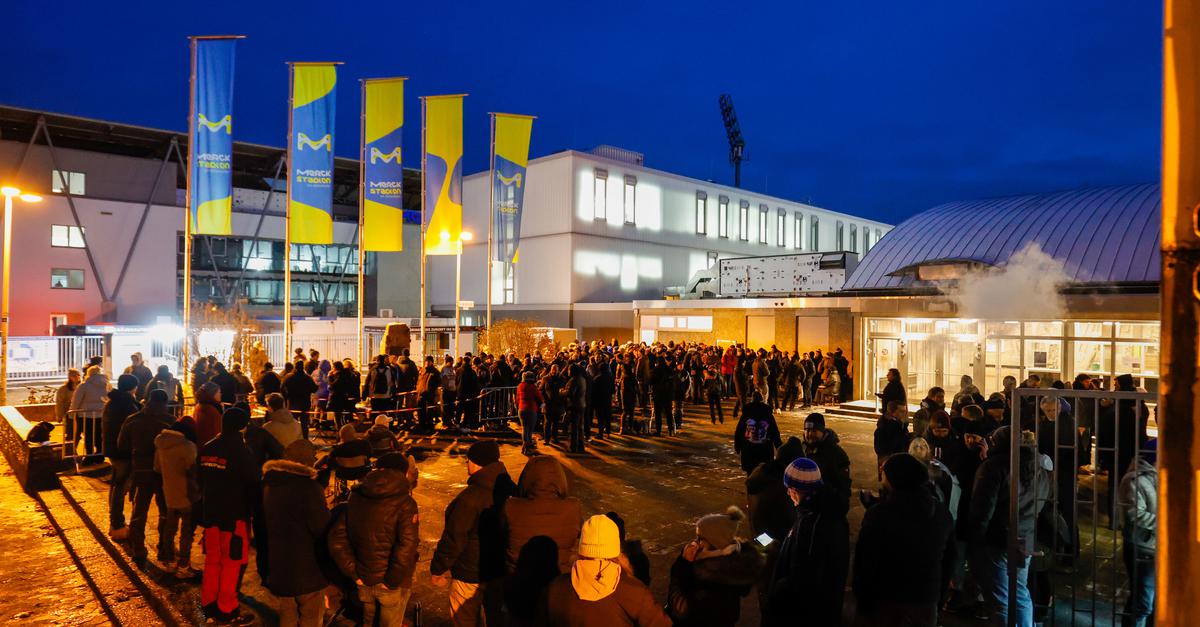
[(782, 239), (600, 197)]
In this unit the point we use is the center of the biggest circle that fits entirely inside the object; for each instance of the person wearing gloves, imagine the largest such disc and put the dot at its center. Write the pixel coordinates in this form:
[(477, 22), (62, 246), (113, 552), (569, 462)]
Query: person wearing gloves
[(713, 573), (596, 592)]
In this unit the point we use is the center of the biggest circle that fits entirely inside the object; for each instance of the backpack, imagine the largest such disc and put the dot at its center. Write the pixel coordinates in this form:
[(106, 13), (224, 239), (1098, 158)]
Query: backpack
[(756, 431)]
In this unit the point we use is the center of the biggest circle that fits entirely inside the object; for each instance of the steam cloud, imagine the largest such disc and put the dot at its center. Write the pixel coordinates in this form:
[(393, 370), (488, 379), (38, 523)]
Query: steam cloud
[(1025, 288)]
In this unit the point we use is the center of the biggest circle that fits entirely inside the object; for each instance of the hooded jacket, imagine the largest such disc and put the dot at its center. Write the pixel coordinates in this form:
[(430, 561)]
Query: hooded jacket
[(296, 516), (1138, 498), (282, 426), (908, 532), (708, 591), (542, 508), (835, 469), (121, 405), (618, 600), (175, 460), (90, 395), (375, 537), (471, 540), (138, 433), (988, 514), (207, 415)]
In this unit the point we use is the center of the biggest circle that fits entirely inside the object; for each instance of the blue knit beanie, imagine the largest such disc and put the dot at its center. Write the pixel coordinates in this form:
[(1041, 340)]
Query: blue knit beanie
[(802, 474)]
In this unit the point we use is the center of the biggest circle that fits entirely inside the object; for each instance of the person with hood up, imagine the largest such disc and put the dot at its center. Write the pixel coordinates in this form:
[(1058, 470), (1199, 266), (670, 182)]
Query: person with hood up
[(229, 480), (771, 510), (137, 438), (120, 406), (87, 403), (279, 421), (1137, 501), (809, 579), (470, 550), (537, 566), (821, 446), (267, 383), (207, 413), (597, 592), (296, 518), (907, 532), (935, 400), (713, 573), (175, 459), (757, 435), (529, 398), (542, 507), (298, 389)]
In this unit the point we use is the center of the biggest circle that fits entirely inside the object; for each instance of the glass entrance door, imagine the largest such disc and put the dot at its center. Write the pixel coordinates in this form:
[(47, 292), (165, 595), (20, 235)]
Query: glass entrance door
[(885, 354)]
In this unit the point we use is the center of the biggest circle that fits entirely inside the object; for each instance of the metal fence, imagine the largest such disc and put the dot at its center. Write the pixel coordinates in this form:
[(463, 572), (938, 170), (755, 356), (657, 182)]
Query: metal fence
[(1082, 570), (331, 347), (49, 357)]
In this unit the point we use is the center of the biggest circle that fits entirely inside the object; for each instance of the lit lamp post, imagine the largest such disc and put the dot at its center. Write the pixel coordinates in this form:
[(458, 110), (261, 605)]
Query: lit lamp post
[(9, 193), (465, 236)]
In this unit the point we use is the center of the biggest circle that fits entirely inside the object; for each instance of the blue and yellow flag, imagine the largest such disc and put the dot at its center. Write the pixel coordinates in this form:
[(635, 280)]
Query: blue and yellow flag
[(443, 173), (310, 153), (510, 158), (210, 153), (383, 174)]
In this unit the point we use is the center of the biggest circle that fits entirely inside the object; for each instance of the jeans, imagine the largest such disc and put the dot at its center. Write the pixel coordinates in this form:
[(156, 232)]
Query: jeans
[(1139, 565), (182, 520), (306, 610), (392, 604), (990, 565), (147, 485), (122, 475), (528, 421), (466, 602)]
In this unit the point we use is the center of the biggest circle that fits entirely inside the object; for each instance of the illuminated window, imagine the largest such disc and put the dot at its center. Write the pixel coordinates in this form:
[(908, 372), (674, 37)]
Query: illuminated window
[(701, 213), (723, 216), (762, 224), (814, 234), (72, 182), (630, 200), (66, 279), (62, 236), (839, 236), (797, 229), (600, 195), (781, 229), (744, 221), (853, 238), (878, 235)]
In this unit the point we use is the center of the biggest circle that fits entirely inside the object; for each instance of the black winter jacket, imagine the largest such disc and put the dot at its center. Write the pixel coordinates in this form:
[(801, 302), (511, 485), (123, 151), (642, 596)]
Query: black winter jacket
[(229, 480), (120, 406), (375, 537), (810, 573), (267, 383), (296, 516), (771, 510), (708, 592), (891, 437), (472, 543), (297, 388), (835, 468), (908, 532), (988, 514), (757, 422), (137, 436)]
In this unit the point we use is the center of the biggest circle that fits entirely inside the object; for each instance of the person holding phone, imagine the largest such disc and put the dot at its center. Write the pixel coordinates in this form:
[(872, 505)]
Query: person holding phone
[(713, 572)]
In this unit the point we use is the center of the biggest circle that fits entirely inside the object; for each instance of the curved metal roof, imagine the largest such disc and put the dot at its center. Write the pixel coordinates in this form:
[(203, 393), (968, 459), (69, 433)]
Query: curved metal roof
[(1108, 235)]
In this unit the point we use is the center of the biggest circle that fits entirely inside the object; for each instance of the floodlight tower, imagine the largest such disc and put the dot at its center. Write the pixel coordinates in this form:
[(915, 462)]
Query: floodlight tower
[(733, 131)]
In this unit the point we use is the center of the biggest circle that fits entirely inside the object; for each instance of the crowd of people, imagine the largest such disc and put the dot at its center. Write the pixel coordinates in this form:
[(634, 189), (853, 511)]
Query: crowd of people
[(339, 527)]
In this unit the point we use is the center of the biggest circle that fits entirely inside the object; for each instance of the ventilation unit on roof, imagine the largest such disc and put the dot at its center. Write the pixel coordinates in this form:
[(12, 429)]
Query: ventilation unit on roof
[(619, 154)]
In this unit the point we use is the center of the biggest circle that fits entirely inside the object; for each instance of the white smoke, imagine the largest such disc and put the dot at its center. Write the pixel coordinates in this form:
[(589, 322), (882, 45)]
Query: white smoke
[(1025, 288)]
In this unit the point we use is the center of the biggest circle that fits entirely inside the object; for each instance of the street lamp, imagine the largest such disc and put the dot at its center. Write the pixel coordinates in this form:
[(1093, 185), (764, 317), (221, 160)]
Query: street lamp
[(9, 193), (464, 236)]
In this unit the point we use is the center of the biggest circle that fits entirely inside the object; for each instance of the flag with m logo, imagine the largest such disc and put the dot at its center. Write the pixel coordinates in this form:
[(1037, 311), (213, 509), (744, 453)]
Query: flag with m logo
[(210, 149), (382, 189), (310, 153)]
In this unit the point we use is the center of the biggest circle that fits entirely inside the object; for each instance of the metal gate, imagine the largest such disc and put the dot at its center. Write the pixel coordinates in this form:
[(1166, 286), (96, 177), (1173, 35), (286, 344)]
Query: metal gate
[(1087, 441)]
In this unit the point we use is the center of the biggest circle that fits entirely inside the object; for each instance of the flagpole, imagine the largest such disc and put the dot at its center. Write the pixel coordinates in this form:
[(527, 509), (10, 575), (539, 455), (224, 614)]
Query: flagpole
[(362, 178), (491, 224), (185, 367), (423, 193), (287, 226)]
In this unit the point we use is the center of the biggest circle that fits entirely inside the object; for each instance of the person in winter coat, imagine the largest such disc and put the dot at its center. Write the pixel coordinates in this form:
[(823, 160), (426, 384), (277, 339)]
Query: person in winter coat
[(321, 378), (137, 438), (908, 532), (713, 391), (207, 413), (987, 524), (627, 377), (757, 435), (575, 396), (771, 510), (935, 400), (267, 383), (537, 566), (713, 573), (1137, 501), (380, 385), (809, 579), (893, 392), (280, 423), (1122, 422), (175, 460), (296, 518), (467, 400), (471, 549), (821, 446), (87, 402), (529, 398), (662, 392), (165, 381), (298, 389), (429, 382), (891, 432), (225, 381), (597, 592), (542, 507), (600, 393), (229, 480), (245, 387), (343, 392), (62, 402), (121, 405)]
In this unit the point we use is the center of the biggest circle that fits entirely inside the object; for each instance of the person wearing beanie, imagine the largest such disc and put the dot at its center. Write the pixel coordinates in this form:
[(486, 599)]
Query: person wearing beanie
[(821, 445), (136, 439), (120, 406), (908, 532), (175, 460), (810, 573), (596, 592), (771, 509), (713, 573), (229, 480), (469, 557), (296, 519), (1137, 501), (757, 435), (542, 507)]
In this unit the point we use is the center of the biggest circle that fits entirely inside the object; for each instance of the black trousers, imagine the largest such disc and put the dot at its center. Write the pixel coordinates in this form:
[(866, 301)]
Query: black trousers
[(715, 411)]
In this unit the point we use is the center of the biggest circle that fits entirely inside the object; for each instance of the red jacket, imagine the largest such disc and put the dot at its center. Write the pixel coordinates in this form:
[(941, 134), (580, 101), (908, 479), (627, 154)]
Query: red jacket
[(728, 361), (528, 397)]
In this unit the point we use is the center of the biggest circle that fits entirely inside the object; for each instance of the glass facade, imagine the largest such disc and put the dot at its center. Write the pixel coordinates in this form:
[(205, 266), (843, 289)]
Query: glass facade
[(937, 352)]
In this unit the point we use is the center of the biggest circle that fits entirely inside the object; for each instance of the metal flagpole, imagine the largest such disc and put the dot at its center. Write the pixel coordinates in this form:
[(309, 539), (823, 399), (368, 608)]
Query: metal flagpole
[(362, 177), (491, 223), (423, 192), (287, 226), (185, 367)]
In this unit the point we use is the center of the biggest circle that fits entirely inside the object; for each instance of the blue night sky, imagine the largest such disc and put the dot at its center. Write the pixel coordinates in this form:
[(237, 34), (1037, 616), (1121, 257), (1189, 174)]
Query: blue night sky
[(880, 108)]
